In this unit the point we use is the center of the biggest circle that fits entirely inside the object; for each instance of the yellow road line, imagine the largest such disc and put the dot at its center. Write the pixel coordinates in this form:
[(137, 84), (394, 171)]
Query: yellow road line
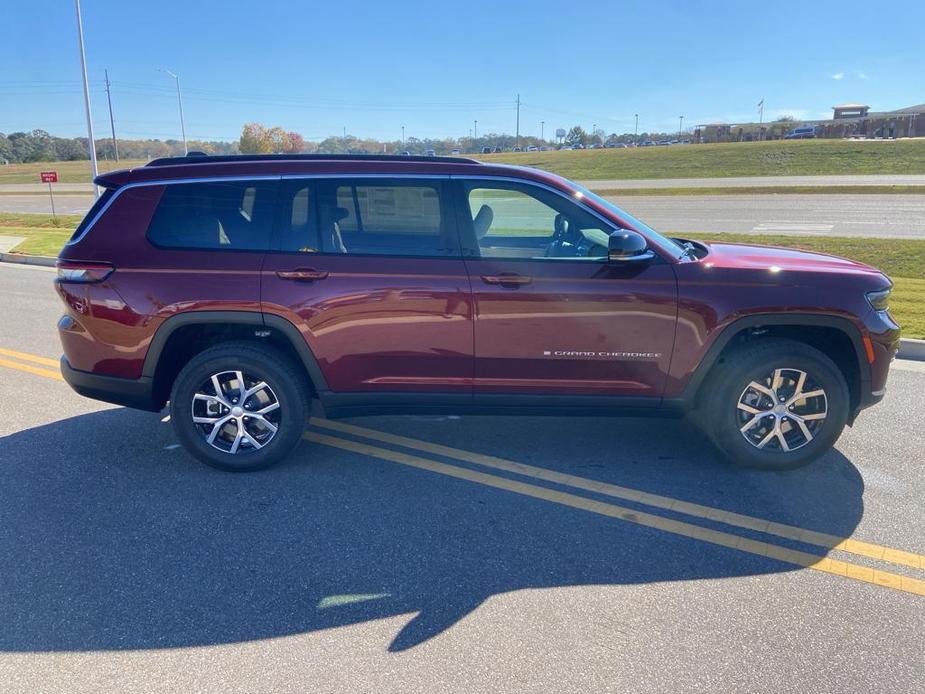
[(765, 549), (857, 547), (36, 371), (29, 357), (790, 532)]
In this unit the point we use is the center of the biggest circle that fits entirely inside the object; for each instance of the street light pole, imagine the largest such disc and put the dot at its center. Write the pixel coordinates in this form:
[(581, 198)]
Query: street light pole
[(180, 106), (403, 136), (680, 127), (636, 131), (542, 129), (476, 130), (91, 143)]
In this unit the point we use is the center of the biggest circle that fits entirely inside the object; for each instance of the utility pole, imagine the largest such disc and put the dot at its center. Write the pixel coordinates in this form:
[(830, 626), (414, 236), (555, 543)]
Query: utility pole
[(180, 105), (403, 136), (636, 131), (517, 131), (542, 129), (476, 130), (91, 143), (112, 123), (760, 117), (680, 127)]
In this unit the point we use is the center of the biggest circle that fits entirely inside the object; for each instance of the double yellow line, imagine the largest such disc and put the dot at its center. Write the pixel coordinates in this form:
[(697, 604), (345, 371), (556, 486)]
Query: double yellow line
[(29, 360), (685, 529), (33, 364)]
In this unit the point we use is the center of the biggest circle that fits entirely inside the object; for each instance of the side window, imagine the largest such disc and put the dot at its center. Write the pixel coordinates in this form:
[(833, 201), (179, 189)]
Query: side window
[(298, 217), (235, 215), (511, 220), (388, 217)]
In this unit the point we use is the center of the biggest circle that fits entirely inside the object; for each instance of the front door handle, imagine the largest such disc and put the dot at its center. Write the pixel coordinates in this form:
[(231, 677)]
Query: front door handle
[(302, 274), (507, 279)]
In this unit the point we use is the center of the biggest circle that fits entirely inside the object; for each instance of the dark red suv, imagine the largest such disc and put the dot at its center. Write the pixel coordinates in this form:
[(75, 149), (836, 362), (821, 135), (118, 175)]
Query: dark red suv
[(240, 289)]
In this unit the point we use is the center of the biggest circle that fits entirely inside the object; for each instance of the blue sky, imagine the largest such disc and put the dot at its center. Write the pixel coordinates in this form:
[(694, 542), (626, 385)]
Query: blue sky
[(435, 67)]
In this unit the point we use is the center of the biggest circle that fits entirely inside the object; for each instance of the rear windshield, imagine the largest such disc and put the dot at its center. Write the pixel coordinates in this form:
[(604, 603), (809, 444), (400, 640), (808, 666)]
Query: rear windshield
[(91, 215)]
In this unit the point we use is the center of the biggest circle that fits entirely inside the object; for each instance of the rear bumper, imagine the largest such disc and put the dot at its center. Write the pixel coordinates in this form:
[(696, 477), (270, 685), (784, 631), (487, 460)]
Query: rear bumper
[(134, 393)]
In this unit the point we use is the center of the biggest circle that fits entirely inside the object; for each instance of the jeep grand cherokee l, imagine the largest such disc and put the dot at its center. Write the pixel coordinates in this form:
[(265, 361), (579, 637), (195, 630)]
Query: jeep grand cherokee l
[(241, 289)]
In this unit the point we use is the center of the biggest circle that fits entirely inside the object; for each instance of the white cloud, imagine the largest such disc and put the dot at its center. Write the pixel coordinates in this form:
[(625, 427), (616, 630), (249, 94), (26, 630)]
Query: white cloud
[(863, 76), (838, 76)]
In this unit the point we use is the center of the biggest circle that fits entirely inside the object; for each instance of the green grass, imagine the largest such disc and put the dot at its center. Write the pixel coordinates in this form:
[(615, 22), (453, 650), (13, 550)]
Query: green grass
[(766, 190), (777, 158), (902, 259), (68, 171)]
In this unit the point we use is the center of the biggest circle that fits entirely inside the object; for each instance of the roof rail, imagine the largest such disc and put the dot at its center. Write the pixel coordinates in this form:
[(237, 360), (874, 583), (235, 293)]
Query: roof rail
[(199, 158)]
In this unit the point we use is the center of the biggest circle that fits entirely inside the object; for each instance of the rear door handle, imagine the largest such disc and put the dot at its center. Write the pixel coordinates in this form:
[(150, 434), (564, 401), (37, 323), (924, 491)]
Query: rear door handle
[(507, 279), (302, 274)]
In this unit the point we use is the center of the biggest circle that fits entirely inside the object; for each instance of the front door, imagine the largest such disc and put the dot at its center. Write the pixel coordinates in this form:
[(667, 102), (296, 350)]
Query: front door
[(552, 315), (370, 272)]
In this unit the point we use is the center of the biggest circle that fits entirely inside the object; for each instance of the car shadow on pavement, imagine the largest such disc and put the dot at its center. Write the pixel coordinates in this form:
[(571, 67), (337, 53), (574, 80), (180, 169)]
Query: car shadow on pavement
[(113, 538)]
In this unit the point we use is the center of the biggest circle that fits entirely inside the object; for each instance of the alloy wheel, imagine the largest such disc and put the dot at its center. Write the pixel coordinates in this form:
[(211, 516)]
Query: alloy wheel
[(236, 412), (783, 411)]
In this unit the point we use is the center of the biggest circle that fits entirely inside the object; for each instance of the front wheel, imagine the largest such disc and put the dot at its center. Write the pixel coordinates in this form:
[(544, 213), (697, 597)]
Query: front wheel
[(239, 406), (775, 405)]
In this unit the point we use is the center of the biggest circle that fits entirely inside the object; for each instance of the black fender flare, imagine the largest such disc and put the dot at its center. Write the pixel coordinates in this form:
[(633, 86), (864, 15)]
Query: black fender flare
[(778, 319), (257, 319)]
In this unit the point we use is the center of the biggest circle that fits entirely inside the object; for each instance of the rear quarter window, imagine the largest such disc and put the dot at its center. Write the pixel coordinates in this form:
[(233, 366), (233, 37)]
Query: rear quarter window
[(233, 215), (97, 207)]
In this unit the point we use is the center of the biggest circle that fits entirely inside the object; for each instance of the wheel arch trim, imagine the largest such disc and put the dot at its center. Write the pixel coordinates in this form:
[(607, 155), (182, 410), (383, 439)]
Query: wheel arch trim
[(254, 318), (843, 325)]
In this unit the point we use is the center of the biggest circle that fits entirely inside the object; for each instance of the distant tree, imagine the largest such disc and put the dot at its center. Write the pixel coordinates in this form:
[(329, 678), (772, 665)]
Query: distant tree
[(577, 136), (255, 139), (279, 139), (296, 142), (785, 119)]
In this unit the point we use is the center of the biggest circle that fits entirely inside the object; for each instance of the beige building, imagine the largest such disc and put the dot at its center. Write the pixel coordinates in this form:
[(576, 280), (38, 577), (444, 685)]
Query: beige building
[(848, 120)]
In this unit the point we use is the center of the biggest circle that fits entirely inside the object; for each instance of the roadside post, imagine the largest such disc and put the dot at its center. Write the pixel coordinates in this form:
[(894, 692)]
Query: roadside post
[(50, 177)]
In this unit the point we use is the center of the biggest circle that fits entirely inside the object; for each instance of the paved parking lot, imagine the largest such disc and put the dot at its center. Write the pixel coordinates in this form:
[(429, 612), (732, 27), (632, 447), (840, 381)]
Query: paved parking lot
[(440, 554)]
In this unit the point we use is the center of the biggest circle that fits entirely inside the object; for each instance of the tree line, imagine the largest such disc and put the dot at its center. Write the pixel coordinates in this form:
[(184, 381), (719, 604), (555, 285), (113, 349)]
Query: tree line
[(38, 145)]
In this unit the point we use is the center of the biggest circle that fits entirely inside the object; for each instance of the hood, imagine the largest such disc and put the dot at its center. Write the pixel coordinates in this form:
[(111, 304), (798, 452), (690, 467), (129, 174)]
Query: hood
[(748, 257)]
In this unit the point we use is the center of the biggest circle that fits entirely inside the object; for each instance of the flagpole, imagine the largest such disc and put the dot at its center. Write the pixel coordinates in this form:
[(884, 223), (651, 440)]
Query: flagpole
[(760, 118)]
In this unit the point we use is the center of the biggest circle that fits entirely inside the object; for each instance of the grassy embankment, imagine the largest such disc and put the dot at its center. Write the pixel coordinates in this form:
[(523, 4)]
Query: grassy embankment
[(68, 171), (777, 158), (902, 259)]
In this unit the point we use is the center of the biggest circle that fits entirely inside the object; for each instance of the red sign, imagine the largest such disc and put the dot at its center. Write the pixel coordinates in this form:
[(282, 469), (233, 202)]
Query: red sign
[(49, 176)]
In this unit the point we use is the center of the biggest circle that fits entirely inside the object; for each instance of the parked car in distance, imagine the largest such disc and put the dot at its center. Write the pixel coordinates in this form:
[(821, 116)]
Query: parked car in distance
[(406, 153), (486, 150), (531, 148), (545, 148), (496, 150), (454, 152), (804, 132), (429, 153), (244, 291)]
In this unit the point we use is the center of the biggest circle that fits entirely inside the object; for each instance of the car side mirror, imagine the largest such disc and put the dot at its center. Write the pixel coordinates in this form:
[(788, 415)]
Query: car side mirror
[(625, 246)]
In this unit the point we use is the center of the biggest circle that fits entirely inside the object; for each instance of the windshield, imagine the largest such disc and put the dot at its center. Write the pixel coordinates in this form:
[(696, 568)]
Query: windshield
[(666, 243)]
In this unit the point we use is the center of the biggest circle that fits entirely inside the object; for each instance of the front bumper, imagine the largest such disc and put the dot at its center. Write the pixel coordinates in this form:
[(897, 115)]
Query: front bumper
[(135, 393)]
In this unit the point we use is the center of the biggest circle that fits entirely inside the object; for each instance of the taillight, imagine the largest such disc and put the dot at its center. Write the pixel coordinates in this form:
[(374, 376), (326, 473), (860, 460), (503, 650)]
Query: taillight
[(70, 271)]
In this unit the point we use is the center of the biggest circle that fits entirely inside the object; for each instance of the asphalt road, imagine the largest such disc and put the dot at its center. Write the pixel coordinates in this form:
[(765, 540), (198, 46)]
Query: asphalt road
[(884, 216), (377, 564)]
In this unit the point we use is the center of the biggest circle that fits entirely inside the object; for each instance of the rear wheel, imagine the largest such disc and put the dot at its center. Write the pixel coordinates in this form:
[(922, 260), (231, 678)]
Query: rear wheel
[(239, 406), (775, 405)]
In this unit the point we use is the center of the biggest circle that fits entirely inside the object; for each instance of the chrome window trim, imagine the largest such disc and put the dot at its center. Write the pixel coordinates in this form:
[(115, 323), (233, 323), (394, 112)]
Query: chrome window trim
[(218, 179), (163, 182)]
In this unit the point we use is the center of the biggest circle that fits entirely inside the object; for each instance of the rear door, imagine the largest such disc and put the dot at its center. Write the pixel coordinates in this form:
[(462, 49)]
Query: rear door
[(370, 272), (552, 315)]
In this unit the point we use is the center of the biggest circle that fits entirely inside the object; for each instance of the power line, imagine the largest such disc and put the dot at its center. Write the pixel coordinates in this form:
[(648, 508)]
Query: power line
[(112, 123)]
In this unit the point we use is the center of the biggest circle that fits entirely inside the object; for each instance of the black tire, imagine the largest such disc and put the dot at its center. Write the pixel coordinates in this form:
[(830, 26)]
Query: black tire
[(722, 419), (286, 385)]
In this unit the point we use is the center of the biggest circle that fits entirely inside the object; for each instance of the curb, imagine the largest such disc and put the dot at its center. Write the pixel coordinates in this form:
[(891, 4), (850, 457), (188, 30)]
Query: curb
[(21, 259), (911, 349)]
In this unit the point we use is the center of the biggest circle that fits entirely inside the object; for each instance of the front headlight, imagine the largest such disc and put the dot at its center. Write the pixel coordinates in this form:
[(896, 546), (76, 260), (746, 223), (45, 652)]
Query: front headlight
[(880, 299)]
